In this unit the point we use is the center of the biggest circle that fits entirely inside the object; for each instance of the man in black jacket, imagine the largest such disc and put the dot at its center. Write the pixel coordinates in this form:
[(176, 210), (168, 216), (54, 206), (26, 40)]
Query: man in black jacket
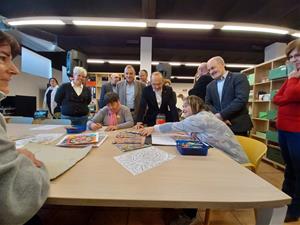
[(227, 96), (202, 79), (156, 99)]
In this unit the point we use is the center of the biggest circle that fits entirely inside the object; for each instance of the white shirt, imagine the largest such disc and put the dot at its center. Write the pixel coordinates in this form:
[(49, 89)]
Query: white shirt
[(158, 95), (77, 89), (130, 95)]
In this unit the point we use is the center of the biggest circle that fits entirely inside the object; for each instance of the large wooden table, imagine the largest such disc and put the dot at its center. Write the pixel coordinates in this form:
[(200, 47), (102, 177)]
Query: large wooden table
[(214, 181)]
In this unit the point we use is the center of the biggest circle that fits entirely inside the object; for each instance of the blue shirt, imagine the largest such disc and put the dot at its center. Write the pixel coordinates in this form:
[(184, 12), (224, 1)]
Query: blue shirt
[(130, 95), (220, 85)]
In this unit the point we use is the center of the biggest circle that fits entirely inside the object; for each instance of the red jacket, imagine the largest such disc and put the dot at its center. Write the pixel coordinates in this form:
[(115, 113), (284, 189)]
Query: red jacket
[(288, 101)]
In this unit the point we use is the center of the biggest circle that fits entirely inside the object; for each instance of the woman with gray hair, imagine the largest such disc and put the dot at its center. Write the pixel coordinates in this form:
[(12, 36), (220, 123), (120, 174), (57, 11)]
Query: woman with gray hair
[(74, 98)]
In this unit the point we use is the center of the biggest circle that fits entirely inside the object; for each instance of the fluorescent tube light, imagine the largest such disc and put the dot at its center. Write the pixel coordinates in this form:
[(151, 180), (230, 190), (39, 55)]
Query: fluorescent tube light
[(239, 65), (108, 23), (254, 29), (154, 63), (296, 35), (95, 61), (133, 62), (192, 64), (174, 63), (35, 22), (185, 26), (182, 77)]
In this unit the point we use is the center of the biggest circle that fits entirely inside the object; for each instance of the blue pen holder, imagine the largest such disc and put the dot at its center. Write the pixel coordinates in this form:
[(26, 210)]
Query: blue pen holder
[(186, 147), (75, 129)]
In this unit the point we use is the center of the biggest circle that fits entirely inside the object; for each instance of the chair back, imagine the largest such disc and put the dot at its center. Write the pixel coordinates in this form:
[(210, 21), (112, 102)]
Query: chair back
[(254, 149), (56, 121), (20, 119)]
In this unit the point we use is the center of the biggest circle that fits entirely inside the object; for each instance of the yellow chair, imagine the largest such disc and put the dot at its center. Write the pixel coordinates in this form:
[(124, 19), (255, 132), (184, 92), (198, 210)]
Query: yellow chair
[(255, 150)]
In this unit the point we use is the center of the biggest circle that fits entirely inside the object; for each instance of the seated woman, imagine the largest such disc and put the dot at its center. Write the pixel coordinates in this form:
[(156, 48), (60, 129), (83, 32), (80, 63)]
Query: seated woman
[(114, 115), (205, 126)]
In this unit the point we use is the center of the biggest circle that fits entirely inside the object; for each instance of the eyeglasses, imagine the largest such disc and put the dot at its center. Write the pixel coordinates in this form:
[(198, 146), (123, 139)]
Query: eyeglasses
[(296, 56)]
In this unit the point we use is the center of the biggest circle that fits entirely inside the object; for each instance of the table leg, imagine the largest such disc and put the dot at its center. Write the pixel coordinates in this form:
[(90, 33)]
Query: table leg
[(270, 216)]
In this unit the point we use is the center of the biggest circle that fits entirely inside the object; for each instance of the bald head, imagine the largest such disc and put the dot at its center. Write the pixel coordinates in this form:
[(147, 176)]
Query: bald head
[(202, 69), (156, 81), (115, 78), (216, 67)]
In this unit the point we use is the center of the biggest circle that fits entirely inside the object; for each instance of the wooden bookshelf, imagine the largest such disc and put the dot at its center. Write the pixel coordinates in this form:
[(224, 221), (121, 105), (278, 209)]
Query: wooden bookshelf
[(262, 84), (99, 79)]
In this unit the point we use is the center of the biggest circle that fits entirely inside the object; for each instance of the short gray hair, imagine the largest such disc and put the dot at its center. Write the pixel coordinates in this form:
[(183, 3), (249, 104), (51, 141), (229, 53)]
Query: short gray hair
[(79, 70), (218, 59)]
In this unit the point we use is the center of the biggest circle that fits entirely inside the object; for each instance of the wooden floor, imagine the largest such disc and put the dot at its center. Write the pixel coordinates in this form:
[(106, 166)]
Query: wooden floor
[(65, 215)]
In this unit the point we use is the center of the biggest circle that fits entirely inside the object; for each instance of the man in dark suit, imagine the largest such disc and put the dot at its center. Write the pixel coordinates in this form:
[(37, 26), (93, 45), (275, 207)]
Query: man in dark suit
[(110, 86), (203, 79), (157, 99), (227, 96)]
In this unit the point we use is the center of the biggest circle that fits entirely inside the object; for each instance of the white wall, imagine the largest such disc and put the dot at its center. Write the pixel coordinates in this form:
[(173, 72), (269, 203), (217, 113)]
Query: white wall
[(27, 84), (181, 88)]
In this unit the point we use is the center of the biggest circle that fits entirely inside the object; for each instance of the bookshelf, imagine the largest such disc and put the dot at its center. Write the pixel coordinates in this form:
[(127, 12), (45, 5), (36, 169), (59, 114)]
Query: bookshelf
[(97, 80), (265, 79)]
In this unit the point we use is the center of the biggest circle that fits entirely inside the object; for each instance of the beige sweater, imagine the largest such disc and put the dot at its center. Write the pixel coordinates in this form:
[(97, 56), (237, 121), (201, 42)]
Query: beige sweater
[(23, 187)]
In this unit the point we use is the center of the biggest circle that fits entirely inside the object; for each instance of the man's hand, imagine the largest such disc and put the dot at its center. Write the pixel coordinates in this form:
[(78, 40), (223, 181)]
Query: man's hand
[(30, 156), (139, 125), (111, 128), (95, 126), (147, 131), (228, 122)]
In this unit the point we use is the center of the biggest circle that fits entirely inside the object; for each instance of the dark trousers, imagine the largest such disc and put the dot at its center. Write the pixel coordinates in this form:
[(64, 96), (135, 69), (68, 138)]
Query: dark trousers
[(35, 220), (76, 120), (245, 133), (290, 150)]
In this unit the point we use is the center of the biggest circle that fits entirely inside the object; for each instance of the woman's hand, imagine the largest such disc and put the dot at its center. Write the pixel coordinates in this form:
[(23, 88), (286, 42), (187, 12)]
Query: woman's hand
[(111, 128), (95, 126), (147, 131), (30, 156), (139, 125)]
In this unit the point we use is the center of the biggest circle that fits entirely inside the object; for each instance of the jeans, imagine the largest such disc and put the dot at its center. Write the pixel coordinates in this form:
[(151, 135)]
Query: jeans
[(76, 120), (290, 150)]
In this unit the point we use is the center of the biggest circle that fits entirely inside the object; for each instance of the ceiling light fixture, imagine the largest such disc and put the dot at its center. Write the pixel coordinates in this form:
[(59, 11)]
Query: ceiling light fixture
[(35, 22), (192, 64), (133, 62), (185, 26), (95, 61), (108, 23), (254, 29), (296, 35), (154, 63), (182, 77), (174, 63), (239, 65)]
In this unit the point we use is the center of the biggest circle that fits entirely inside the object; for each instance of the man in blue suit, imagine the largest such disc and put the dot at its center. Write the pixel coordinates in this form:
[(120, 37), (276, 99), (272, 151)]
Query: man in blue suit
[(227, 96)]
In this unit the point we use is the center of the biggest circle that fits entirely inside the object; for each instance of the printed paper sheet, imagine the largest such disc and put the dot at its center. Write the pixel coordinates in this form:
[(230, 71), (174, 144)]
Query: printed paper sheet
[(139, 161)]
